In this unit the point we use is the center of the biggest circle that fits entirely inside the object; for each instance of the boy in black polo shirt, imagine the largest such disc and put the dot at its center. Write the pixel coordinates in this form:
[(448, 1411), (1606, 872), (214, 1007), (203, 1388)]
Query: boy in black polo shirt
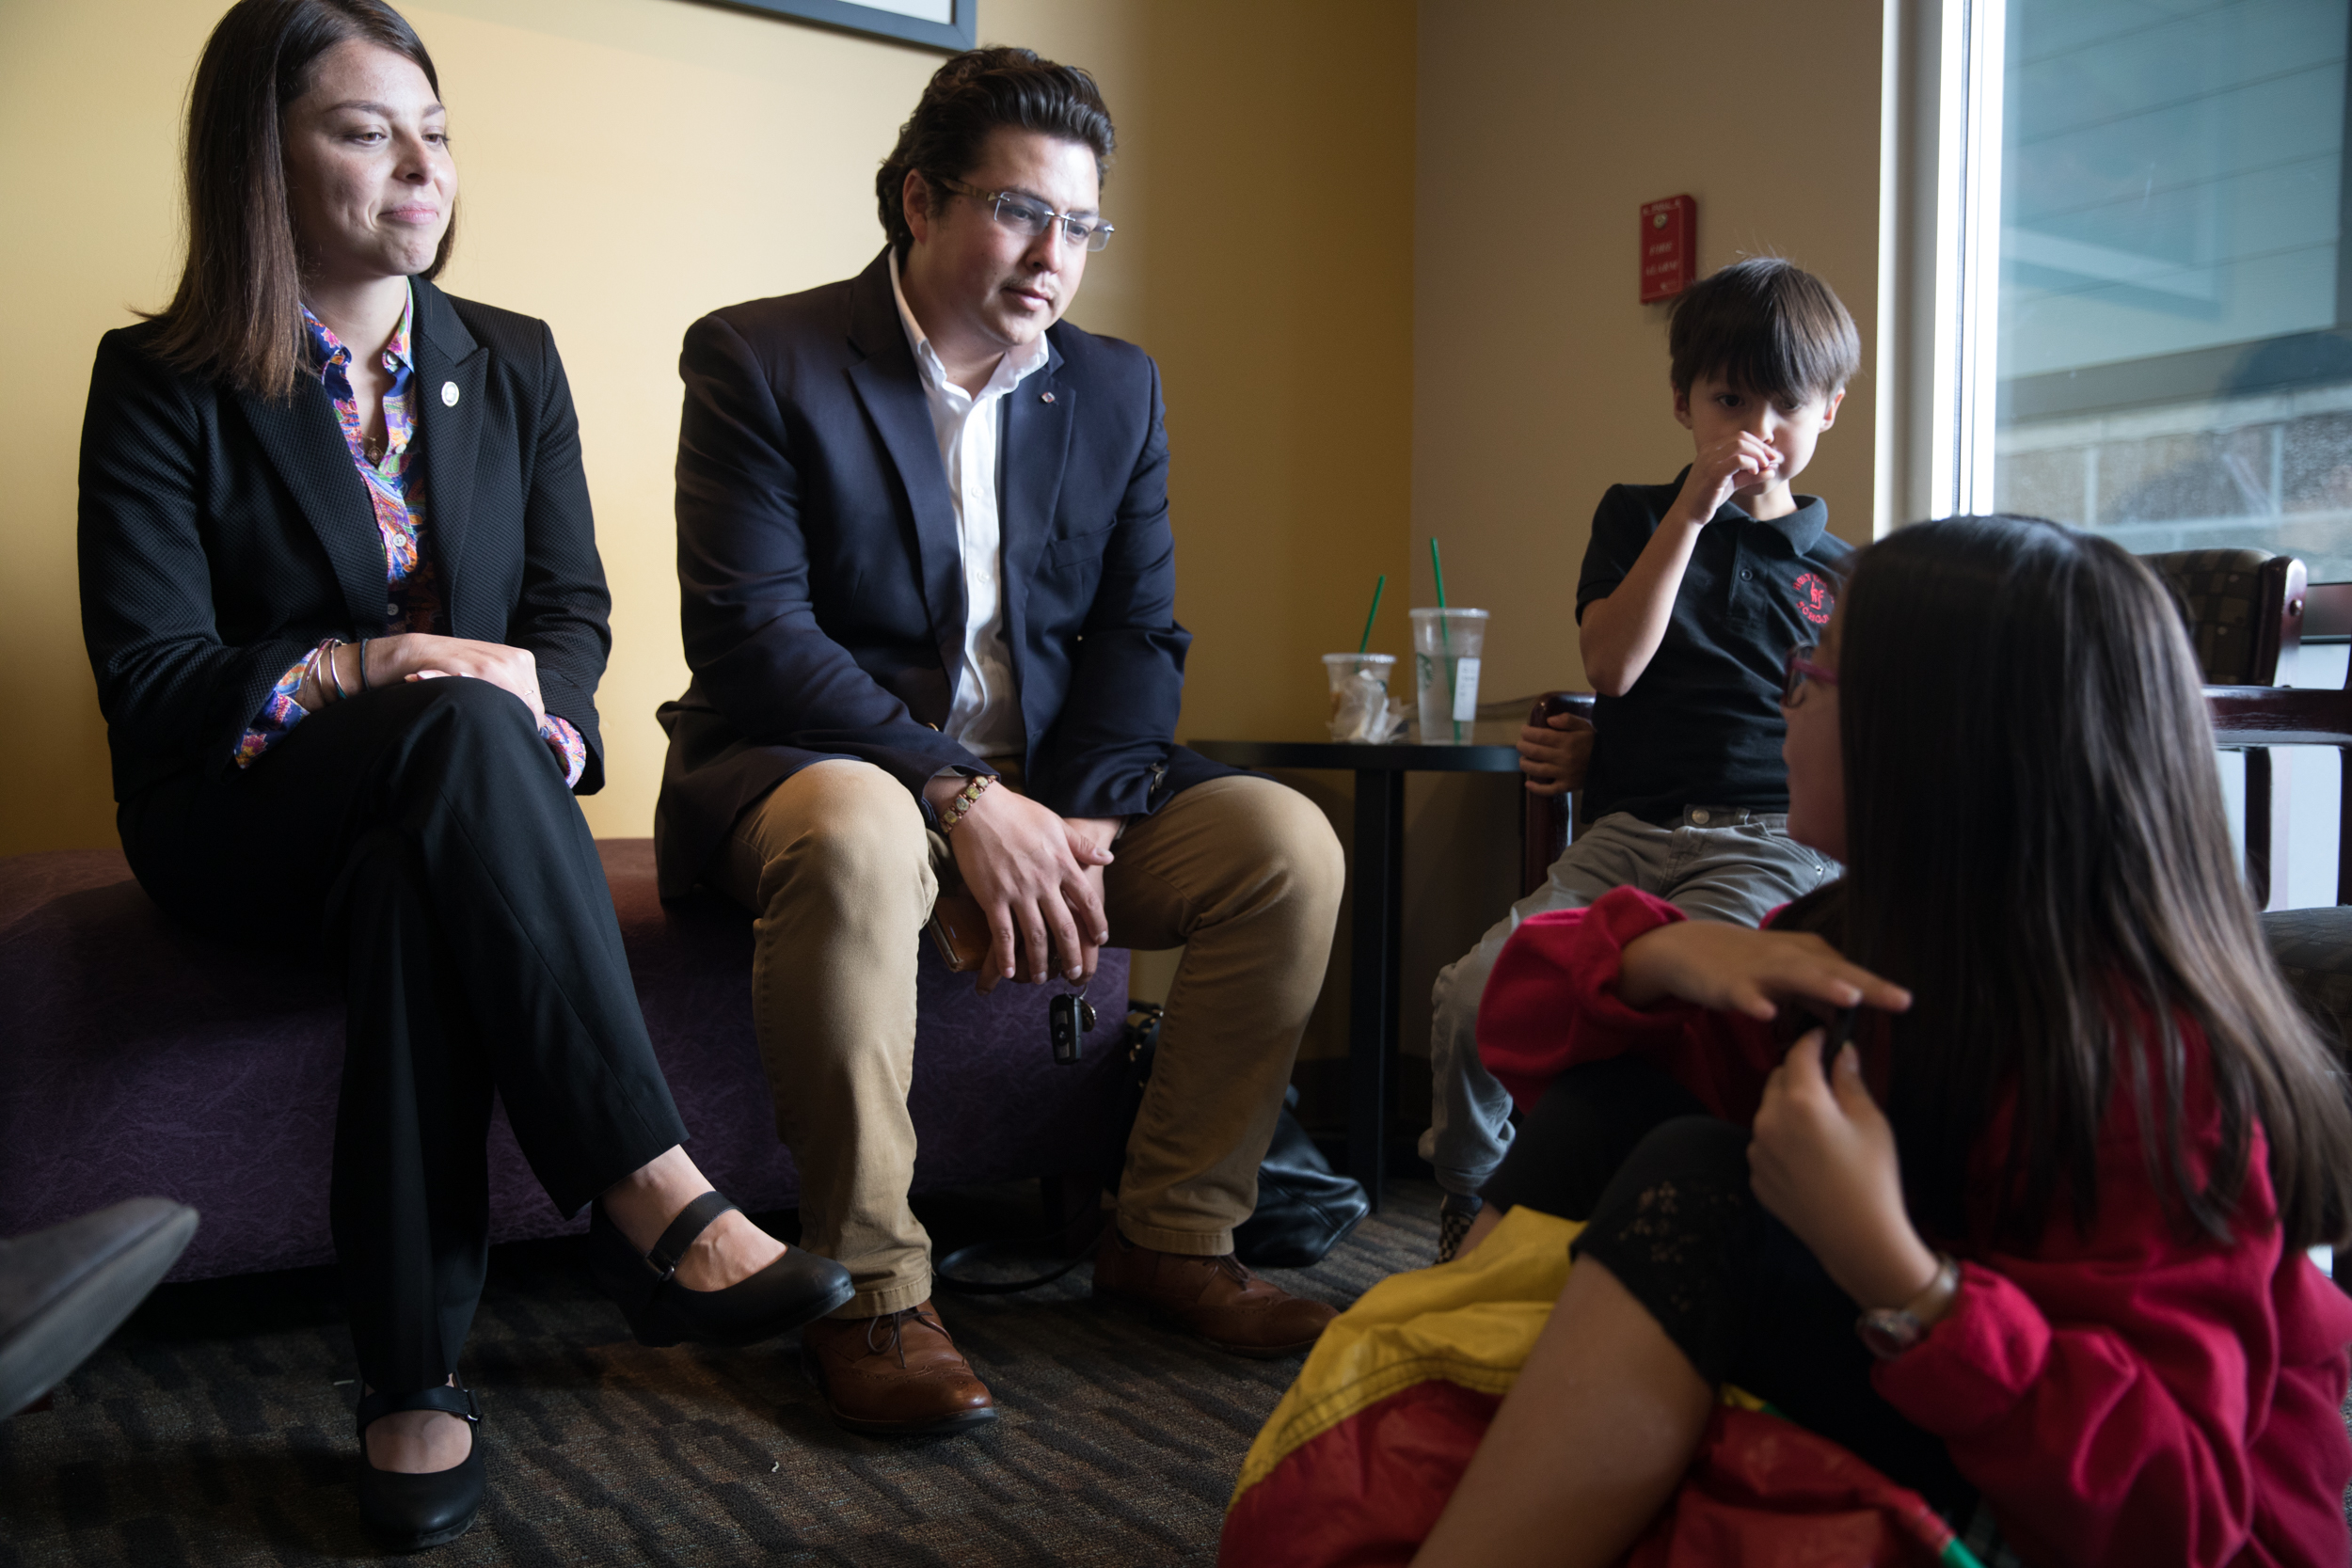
[(1691, 597)]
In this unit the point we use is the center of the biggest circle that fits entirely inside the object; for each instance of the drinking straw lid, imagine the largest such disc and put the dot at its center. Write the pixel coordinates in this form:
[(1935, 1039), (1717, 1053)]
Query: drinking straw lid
[(1366, 641)]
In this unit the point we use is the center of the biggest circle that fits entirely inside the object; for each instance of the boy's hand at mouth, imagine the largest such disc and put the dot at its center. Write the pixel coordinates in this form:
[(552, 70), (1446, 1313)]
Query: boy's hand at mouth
[(1722, 468)]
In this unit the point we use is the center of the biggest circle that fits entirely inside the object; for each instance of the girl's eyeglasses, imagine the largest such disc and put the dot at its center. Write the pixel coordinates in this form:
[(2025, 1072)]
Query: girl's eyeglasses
[(1799, 668)]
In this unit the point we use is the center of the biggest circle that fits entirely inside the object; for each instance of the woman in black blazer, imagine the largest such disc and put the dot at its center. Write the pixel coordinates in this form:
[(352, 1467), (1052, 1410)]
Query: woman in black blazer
[(341, 592)]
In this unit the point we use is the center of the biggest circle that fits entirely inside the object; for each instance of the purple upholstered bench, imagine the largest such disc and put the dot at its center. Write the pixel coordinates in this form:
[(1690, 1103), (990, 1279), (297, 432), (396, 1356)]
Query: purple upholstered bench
[(139, 1057)]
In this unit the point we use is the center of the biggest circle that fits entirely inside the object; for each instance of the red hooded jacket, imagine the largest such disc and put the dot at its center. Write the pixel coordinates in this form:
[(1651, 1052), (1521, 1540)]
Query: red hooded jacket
[(2125, 1397)]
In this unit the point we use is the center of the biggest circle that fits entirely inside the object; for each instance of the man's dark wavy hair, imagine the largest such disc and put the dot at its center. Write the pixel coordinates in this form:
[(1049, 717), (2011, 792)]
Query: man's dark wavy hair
[(974, 94), (1766, 328)]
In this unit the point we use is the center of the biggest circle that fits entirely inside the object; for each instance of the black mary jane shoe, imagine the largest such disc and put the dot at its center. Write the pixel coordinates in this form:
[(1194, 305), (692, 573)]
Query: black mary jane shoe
[(795, 1289), (410, 1512)]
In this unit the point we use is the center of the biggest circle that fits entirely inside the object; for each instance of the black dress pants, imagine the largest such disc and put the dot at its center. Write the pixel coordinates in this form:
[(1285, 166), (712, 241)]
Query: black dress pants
[(1663, 1191), (421, 836)]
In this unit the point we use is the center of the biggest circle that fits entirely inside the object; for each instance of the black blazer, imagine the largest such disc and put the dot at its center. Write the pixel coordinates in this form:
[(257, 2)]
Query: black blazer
[(824, 581), (223, 534)]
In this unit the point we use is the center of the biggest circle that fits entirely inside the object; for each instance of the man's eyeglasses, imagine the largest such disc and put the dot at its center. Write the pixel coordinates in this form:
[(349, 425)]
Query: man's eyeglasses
[(1027, 218), (1799, 668)]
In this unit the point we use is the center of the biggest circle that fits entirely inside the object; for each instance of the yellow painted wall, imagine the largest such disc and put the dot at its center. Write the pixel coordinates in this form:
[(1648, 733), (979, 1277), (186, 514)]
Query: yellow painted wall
[(627, 164), (1383, 253)]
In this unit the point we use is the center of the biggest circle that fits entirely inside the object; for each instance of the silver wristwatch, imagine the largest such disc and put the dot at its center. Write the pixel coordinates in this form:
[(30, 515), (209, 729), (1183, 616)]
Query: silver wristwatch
[(1889, 1331)]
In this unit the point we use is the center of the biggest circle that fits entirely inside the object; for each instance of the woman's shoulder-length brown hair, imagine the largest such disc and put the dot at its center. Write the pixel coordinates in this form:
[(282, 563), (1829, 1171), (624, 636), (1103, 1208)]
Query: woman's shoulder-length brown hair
[(237, 312)]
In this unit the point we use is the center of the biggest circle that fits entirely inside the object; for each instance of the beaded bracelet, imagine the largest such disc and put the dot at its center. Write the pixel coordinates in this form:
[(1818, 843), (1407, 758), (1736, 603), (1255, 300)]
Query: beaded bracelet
[(962, 802)]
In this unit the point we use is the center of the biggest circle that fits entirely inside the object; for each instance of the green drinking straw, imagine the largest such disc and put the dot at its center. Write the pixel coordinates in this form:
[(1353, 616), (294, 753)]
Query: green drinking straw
[(1445, 642), (1366, 641)]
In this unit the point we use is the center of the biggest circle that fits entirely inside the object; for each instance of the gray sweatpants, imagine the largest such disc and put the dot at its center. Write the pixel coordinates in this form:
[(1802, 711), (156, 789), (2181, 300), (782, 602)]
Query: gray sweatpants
[(1712, 863)]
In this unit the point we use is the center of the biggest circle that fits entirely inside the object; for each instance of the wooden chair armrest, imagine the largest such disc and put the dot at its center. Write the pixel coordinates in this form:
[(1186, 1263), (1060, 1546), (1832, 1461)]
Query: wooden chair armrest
[(2279, 716)]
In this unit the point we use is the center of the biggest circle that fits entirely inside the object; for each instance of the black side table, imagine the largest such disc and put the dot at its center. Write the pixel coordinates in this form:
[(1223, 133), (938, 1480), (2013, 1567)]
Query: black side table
[(1377, 907)]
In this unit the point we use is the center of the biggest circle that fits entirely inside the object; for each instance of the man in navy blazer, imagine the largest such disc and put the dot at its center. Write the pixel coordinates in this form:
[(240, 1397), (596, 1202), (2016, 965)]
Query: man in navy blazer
[(929, 583)]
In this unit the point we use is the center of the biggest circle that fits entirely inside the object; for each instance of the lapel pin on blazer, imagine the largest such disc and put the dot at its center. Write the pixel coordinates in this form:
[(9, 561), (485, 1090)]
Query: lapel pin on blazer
[(449, 394), (1046, 397)]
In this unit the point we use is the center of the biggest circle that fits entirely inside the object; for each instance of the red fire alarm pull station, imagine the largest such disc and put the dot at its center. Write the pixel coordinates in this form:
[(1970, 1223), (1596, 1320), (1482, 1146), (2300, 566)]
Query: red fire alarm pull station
[(1670, 248)]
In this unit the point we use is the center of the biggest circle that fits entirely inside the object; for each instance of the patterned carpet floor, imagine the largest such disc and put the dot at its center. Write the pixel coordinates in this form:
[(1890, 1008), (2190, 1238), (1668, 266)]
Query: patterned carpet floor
[(214, 1429)]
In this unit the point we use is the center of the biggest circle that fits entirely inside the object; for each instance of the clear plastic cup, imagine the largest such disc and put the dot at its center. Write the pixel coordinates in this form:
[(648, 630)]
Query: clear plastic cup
[(1446, 648), (1361, 713)]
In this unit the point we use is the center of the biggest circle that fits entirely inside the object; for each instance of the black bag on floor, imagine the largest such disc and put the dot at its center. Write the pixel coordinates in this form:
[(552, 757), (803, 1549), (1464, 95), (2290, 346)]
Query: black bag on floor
[(1305, 1208)]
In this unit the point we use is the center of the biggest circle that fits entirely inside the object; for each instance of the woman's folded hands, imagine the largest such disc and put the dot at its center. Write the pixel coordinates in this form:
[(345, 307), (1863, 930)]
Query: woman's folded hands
[(419, 655)]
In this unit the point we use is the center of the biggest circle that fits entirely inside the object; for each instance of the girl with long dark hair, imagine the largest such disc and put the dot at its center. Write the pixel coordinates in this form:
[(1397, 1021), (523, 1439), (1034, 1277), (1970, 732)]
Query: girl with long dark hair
[(341, 591), (2076, 1233)]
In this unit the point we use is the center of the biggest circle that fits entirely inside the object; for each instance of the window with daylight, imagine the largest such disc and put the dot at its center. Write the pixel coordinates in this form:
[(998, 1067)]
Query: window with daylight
[(2173, 343), (2129, 306)]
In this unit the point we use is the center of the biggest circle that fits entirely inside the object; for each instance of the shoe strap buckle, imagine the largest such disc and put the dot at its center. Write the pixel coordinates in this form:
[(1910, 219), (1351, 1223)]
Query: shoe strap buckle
[(450, 1400), (663, 1256)]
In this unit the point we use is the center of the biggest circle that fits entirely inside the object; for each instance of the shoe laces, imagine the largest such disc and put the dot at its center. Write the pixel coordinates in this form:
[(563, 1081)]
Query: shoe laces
[(897, 1343), (1247, 1283), (1454, 1229)]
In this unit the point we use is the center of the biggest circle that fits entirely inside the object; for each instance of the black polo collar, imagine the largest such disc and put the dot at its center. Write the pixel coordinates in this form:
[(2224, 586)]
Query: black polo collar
[(1802, 527)]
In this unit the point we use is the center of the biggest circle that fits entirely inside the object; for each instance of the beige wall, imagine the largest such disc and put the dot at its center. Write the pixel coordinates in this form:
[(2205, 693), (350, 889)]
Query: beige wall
[(1540, 377), (629, 164)]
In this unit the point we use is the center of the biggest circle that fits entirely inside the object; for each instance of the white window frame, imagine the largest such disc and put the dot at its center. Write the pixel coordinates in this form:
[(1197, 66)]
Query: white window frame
[(1940, 257), (1937, 367)]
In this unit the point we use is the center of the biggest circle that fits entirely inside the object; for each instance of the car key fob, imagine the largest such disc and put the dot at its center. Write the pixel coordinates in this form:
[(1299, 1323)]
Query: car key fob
[(1069, 1020)]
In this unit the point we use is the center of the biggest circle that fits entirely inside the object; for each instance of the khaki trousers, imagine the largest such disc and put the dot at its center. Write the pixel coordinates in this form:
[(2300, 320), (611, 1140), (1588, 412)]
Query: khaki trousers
[(1243, 873)]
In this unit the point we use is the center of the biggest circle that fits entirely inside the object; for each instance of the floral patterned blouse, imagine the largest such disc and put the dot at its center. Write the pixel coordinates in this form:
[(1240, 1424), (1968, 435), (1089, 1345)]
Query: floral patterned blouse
[(411, 578)]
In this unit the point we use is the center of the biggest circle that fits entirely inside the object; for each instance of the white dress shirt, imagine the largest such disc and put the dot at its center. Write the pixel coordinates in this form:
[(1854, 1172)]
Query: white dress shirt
[(986, 714)]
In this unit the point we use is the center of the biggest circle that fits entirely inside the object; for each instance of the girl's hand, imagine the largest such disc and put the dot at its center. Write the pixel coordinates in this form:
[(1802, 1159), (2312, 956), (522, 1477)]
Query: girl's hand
[(1823, 1163), (1736, 969)]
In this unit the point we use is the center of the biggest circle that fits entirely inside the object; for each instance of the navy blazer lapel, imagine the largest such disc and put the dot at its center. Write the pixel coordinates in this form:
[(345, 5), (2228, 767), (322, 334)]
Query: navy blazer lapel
[(447, 359), (304, 442), (891, 390), (1039, 414)]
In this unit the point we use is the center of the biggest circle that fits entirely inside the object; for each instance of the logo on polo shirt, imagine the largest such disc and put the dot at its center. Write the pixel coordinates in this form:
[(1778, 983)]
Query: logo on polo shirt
[(1813, 597)]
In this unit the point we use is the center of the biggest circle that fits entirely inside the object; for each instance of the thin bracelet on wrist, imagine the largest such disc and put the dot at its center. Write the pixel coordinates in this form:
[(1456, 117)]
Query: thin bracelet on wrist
[(962, 803), (323, 659), (1891, 1331), (363, 662)]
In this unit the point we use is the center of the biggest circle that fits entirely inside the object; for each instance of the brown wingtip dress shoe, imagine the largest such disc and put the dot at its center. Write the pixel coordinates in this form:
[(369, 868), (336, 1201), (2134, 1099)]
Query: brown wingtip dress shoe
[(1218, 1298), (896, 1376)]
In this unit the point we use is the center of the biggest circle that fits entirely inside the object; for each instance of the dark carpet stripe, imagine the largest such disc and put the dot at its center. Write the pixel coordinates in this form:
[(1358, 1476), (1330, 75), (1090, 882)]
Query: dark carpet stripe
[(216, 1430)]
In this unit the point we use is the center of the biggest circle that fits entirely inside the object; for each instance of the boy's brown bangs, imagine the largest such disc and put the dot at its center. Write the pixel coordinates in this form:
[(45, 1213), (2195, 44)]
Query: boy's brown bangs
[(1776, 357), (1766, 328)]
